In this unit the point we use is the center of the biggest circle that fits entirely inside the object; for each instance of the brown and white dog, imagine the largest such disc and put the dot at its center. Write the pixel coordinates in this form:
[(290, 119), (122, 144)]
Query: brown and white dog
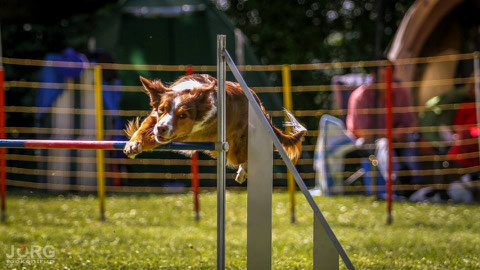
[(186, 111)]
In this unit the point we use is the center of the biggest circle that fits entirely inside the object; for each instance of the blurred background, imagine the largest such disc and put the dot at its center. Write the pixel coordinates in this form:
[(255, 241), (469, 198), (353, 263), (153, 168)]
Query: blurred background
[(330, 48)]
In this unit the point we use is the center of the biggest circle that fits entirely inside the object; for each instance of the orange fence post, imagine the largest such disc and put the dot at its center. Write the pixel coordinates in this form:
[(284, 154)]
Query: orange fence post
[(3, 162), (389, 126), (195, 180)]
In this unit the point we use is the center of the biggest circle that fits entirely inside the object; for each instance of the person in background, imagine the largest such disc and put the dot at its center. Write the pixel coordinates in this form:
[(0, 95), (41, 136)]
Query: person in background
[(464, 132), (440, 112), (465, 150), (454, 136), (465, 136), (364, 124)]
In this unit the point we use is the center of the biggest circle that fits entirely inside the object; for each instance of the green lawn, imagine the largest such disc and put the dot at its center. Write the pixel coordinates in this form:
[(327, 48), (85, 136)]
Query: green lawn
[(158, 231)]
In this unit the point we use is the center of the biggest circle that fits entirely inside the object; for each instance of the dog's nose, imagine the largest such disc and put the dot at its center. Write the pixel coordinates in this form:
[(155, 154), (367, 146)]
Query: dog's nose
[(162, 130)]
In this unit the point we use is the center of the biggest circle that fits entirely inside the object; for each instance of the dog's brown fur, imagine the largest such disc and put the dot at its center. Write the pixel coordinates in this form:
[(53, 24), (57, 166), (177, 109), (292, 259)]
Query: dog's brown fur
[(192, 118)]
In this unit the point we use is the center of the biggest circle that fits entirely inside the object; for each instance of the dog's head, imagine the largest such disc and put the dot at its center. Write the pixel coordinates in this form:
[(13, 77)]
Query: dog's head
[(183, 108)]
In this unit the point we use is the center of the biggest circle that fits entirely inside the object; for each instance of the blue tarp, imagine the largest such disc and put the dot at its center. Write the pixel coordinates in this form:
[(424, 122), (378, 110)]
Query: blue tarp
[(48, 94)]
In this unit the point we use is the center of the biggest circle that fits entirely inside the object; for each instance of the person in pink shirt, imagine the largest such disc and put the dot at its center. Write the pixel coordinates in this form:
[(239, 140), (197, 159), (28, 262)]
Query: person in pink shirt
[(369, 125), (361, 122)]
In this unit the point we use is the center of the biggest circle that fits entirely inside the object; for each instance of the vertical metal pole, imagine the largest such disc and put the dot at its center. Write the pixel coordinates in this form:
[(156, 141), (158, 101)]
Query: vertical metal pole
[(476, 72), (259, 198), (97, 75), (325, 256), (389, 126), (287, 103), (221, 159)]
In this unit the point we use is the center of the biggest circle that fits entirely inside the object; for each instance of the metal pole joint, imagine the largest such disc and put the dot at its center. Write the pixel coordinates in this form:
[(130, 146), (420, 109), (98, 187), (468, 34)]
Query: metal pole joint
[(222, 146)]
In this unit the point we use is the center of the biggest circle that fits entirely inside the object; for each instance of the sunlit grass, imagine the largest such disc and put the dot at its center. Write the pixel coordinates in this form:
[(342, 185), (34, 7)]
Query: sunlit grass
[(158, 231)]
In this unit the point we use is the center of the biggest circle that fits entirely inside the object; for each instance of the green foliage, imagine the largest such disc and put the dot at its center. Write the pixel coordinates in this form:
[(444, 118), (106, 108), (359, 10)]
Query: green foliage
[(306, 31), (158, 231)]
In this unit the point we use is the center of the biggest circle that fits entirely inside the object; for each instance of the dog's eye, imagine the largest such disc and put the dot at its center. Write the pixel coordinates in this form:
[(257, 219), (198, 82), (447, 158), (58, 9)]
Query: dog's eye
[(183, 116)]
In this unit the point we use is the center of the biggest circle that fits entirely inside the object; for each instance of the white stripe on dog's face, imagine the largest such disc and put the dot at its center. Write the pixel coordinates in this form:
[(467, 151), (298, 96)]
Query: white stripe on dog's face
[(190, 84), (167, 120)]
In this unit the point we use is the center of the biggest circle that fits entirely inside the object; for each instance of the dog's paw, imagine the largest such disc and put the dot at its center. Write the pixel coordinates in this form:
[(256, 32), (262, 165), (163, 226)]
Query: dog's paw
[(241, 176), (132, 149)]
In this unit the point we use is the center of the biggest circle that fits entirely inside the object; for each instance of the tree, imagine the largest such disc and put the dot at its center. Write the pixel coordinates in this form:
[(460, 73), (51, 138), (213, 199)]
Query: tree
[(306, 31)]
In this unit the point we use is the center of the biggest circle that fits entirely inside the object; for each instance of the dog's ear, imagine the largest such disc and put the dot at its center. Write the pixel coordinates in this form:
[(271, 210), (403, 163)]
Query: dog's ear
[(154, 90), (211, 86)]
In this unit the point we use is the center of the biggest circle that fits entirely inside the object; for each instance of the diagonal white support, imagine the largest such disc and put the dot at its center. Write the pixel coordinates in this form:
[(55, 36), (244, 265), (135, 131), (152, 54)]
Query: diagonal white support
[(259, 189)]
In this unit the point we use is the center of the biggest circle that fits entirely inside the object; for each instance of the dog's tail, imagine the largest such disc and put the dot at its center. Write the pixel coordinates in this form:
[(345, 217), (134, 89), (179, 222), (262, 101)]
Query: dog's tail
[(292, 142), (132, 126)]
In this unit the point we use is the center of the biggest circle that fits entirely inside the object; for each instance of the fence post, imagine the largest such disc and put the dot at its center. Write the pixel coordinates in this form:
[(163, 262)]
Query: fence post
[(195, 186), (194, 169), (476, 70), (287, 103), (259, 198), (389, 126), (3, 162), (97, 78), (221, 158)]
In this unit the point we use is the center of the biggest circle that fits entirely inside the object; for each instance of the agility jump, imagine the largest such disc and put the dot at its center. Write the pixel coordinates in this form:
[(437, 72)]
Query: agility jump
[(261, 135)]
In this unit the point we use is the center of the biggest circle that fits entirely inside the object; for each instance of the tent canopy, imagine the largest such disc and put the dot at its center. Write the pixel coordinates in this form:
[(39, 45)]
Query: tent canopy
[(433, 28)]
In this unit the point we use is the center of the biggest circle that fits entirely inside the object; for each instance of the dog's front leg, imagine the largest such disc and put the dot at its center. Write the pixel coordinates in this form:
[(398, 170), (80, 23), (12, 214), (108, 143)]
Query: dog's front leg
[(242, 173), (142, 139)]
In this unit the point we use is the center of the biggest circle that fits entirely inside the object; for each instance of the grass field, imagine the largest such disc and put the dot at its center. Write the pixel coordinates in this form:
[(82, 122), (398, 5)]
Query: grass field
[(158, 232)]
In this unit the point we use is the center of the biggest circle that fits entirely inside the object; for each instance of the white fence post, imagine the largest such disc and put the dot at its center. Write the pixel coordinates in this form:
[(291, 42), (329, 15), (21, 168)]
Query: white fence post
[(259, 189)]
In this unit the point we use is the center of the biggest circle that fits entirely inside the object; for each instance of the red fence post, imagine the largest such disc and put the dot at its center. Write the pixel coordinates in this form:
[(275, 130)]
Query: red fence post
[(195, 186), (389, 126), (195, 181), (3, 162)]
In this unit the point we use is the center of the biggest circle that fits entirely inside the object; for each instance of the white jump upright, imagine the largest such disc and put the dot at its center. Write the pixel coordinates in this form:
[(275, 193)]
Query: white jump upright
[(325, 256), (327, 249), (259, 190)]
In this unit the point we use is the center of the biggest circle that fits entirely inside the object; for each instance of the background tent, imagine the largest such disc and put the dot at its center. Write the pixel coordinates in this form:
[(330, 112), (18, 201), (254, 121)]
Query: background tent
[(432, 28)]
